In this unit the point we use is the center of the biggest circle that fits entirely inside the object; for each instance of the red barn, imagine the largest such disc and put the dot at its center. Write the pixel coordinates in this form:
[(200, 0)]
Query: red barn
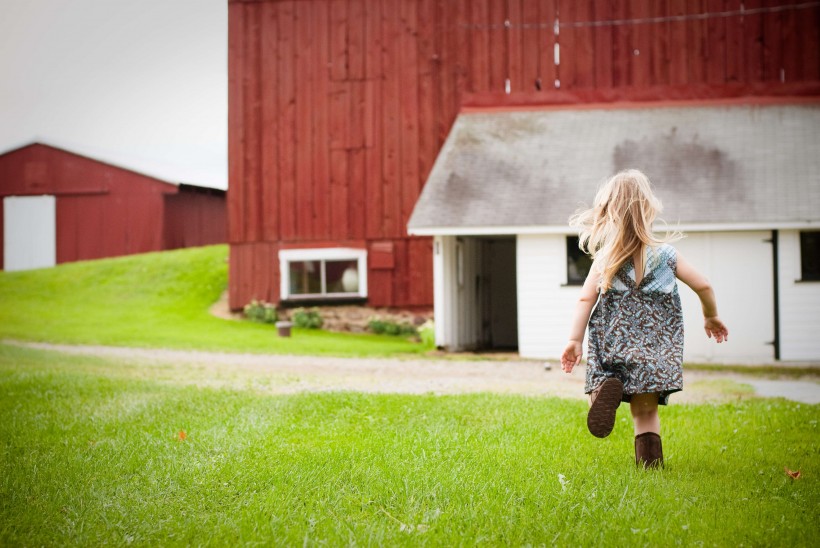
[(338, 110), (60, 207)]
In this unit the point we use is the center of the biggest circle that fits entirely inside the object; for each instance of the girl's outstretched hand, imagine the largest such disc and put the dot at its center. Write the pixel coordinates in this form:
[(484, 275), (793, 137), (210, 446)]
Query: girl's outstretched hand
[(716, 329), (571, 356)]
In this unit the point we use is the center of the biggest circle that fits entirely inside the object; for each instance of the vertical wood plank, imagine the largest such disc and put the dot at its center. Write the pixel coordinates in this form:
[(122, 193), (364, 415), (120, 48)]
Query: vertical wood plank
[(546, 44), (339, 10), (499, 70), (355, 39), (409, 105), (271, 262), (420, 259), (428, 64), (715, 46), (515, 38), (696, 37), (660, 45), (678, 44), (357, 115), (462, 57), (372, 123), (269, 149), (446, 38), (809, 33), (603, 46), (339, 191), (321, 144), (753, 43), (234, 270), (341, 123), (584, 46), (236, 117), (530, 48), (479, 80), (304, 80), (734, 42), (391, 124), (791, 51), (400, 290), (253, 113), (286, 58), (772, 42), (356, 204), (566, 38), (621, 40), (641, 44)]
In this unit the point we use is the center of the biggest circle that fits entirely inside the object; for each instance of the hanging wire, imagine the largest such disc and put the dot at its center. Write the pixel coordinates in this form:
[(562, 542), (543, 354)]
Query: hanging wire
[(645, 20)]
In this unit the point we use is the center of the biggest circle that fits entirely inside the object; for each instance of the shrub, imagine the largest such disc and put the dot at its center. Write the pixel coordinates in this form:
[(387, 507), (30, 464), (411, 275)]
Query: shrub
[(309, 318), (427, 334), (260, 311), (387, 327)]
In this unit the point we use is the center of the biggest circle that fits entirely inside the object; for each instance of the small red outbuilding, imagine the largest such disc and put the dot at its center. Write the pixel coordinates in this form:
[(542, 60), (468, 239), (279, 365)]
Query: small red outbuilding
[(59, 207)]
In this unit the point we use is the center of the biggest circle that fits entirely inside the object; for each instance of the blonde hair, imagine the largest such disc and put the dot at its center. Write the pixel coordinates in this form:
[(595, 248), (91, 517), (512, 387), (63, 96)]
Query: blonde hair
[(619, 224)]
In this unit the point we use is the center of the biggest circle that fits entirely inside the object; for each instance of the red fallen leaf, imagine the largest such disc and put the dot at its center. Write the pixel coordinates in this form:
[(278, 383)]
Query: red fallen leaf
[(794, 474), (182, 436)]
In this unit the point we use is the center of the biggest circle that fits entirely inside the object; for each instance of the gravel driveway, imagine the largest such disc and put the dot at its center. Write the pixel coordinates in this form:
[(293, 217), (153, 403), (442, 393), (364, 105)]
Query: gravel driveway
[(289, 374)]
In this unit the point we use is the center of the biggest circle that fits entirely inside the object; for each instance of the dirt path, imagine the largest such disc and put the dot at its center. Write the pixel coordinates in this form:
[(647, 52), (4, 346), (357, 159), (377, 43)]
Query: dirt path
[(290, 374)]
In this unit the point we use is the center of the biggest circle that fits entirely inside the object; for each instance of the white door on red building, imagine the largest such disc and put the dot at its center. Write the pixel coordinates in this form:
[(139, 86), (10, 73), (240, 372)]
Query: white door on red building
[(29, 232)]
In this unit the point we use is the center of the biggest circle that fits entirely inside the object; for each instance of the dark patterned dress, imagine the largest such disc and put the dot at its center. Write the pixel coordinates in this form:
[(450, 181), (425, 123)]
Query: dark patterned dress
[(636, 333)]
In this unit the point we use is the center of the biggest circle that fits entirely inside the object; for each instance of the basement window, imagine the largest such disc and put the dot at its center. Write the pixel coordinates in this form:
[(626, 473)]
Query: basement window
[(326, 273), (810, 256), (578, 262)]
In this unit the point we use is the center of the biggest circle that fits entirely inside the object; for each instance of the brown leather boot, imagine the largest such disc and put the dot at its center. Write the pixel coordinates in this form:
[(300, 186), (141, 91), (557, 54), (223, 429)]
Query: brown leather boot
[(605, 401), (648, 450)]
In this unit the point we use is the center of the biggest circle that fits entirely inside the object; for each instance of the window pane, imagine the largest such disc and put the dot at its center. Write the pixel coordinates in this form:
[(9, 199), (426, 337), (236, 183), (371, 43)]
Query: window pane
[(305, 277), (578, 262), (342, 276), (810, 255)]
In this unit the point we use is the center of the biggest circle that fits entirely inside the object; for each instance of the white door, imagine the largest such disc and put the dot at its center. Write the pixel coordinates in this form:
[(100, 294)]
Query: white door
[(29, 232), (740, 266)]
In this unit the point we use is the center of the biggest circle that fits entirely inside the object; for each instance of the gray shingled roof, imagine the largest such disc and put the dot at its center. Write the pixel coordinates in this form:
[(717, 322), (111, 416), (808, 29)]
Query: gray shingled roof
[(710, 165)]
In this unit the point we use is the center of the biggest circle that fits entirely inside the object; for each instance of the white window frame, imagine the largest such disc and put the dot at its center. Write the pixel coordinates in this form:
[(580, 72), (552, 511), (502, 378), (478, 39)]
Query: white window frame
[(321, 254)]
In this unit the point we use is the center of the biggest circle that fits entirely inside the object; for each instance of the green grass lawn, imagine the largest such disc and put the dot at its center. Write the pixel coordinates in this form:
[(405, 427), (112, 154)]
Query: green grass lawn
[(156, 300), (89, 456)]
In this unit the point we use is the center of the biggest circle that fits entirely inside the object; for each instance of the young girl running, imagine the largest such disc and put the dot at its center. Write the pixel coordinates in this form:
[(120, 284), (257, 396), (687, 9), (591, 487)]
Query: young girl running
[(636, 329)]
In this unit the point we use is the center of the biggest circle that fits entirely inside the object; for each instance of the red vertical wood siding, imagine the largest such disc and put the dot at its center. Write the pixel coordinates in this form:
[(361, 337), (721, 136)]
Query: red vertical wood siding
[(193, 218), (338, 108)]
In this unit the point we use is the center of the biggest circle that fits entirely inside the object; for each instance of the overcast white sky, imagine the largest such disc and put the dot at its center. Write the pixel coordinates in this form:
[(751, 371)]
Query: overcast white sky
[(137, 83)]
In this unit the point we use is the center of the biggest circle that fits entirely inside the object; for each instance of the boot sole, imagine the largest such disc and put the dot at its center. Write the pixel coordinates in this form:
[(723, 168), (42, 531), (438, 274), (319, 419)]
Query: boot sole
[(601, 416)]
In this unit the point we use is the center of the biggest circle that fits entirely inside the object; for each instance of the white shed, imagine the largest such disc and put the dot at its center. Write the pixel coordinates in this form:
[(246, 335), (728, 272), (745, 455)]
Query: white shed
[(741, 179)]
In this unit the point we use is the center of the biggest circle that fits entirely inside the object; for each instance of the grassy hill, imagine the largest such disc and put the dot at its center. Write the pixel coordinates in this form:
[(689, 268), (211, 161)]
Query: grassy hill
[(155, 300)]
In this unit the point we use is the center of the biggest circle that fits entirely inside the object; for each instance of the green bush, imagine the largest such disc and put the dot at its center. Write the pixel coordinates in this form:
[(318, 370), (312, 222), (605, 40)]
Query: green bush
[(308, 318), (387, 327), (427, 334), (260, 311)]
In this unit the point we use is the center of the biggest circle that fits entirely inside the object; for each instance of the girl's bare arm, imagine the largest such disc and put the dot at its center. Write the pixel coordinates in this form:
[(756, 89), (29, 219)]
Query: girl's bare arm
[(712, 324), (574, 349)]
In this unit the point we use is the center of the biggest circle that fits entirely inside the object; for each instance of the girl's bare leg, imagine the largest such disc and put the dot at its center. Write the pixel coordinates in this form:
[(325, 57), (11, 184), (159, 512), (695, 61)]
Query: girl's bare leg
[(644, 409)]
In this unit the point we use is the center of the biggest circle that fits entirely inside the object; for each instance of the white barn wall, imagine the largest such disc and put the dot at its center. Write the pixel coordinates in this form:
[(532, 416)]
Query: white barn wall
[(740, 267), (799, 303), (545, 302), (738, 264)]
